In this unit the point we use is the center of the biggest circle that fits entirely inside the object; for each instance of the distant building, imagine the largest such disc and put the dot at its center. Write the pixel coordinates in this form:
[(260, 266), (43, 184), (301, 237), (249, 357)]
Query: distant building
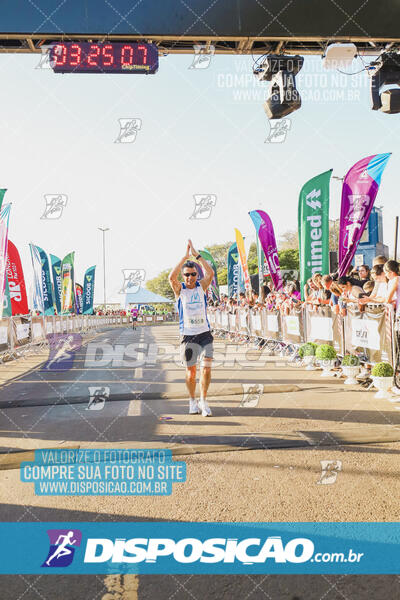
[(371, 243)]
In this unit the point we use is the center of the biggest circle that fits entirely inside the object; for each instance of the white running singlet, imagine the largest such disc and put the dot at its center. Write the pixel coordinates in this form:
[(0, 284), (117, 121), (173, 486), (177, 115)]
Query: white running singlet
[(192, 309)]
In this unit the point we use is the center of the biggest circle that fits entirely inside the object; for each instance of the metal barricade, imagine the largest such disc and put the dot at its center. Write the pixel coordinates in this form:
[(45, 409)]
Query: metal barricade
[(271, 323), (20, 334), (370, 332), (293, 326), (243, 321), (255, 323), (318, 324), (4, 336)]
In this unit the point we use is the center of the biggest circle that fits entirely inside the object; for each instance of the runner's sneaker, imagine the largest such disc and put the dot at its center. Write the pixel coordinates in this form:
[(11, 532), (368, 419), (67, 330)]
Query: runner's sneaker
[(205, 409), (193, 407)]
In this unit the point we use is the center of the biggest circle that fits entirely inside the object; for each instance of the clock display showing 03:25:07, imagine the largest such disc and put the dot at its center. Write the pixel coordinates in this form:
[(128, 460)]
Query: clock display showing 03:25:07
[(109, 57)]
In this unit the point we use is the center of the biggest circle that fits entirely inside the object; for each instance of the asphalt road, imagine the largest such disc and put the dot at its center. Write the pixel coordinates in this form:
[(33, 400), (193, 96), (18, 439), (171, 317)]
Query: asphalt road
[(254, 461)]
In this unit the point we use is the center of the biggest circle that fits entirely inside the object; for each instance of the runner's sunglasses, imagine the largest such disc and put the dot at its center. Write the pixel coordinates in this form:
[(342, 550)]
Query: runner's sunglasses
[(193, 274)]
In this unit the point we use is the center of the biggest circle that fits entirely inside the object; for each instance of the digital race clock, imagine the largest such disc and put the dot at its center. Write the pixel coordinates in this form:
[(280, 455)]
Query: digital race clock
[(108, 57)]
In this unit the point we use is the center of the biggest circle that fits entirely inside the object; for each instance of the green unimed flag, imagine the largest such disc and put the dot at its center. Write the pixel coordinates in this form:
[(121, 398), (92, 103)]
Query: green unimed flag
[(314, 227), (7, 301), (2, 192)]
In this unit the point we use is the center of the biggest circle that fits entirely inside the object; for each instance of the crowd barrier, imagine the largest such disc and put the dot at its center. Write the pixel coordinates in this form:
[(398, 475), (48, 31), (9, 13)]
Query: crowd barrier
[(18, 334), (369, 333)]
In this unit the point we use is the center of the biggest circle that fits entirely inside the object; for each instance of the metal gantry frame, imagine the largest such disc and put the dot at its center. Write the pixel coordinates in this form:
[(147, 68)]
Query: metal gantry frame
[(231, 45)]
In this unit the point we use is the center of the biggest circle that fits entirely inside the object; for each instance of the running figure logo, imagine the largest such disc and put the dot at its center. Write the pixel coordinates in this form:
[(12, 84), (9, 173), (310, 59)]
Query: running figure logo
[(251, 394), (132, 280), (128, 129), (98, 397), (44, 62), (62, 351), (55, 204), (63, 543), (278, 131), (329, 471), (202, 56), (203, 205)]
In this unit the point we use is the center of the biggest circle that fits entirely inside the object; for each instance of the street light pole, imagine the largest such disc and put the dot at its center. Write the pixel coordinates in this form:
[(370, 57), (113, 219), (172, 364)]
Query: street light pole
[(104, 229)]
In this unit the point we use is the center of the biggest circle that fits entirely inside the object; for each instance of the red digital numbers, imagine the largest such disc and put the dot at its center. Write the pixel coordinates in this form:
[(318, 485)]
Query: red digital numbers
[(144, 50), (93, 55), (108, 56), (75, 55), (126, 55), (60, 54)]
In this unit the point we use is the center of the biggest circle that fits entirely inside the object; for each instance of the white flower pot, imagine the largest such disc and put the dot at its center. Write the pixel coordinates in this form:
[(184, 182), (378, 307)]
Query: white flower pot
[(351, 373), (383, 384), (309, 362), (327, 366)]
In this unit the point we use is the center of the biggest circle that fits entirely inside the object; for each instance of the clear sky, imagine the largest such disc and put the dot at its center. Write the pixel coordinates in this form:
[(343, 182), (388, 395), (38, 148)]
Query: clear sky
[(203, 131)]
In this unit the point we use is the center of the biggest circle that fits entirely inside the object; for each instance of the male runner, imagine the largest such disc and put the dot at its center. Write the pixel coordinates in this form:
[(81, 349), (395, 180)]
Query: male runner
[(196, 340), (134, 313)]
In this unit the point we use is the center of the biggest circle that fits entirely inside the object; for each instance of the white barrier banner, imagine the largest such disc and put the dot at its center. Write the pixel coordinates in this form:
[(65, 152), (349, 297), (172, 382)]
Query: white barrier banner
[(37, 330), (224, 319), (364, 333), (149, 318), (58, 327), (321, 329), (22, 331), (272, 323), (159, 318), (256, 322), (3, 335), (292, 325), (124, 319), (49, 327), (243, 319)]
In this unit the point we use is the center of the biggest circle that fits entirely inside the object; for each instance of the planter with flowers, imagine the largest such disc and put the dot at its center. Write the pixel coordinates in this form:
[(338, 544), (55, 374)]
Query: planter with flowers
[(326, 356), (307, 353), (350, 368), (382, 376)]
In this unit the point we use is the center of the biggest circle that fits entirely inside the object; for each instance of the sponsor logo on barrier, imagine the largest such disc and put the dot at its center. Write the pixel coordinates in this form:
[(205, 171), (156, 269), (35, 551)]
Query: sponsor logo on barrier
[(252, 393), (329, 471), (128, 128), (292, 325), (55, 204), (203, 205), (97, 397), (63, 543), (203, 54), (365, 334)]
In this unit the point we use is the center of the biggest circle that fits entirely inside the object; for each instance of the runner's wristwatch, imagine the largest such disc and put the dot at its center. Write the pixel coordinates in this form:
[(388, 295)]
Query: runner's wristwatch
[(198, 256)]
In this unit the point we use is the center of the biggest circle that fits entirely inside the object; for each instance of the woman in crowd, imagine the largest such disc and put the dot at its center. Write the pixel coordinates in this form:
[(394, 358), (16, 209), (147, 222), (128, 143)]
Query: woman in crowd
[(310, 290), (391, 269), (380, 291)]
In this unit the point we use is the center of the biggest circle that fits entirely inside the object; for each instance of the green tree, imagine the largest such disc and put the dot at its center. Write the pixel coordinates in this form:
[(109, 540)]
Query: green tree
[(219, 252), (160, 285), (289, 259), (223, 276)]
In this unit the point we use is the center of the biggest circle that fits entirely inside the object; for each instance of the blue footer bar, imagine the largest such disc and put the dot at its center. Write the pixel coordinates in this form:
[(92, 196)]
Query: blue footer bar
[(213, 548)]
